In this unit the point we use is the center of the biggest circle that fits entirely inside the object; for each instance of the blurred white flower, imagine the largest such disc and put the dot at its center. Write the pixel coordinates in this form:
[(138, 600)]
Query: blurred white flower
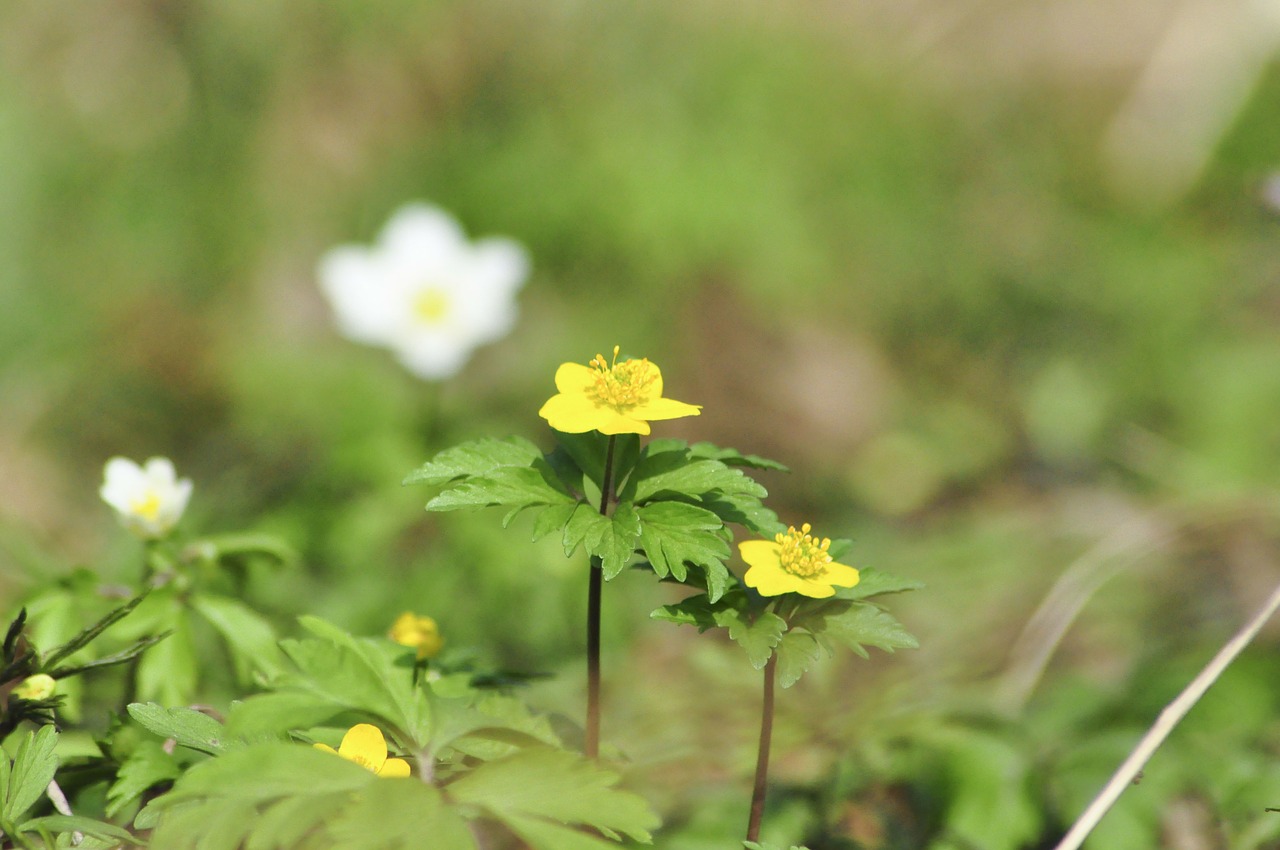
[(149, 500), (424, 291)]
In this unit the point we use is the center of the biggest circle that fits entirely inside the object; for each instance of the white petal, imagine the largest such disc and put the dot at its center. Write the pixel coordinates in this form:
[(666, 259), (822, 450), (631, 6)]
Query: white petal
[(160, 471), (499, 264), (433, 356), (360, 293), (419, 235)]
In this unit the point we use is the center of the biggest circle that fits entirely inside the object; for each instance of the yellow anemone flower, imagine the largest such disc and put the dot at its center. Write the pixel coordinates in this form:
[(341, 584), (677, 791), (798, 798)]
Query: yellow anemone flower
[(794, 562), (364, 745), (612, 398), (422, 632)]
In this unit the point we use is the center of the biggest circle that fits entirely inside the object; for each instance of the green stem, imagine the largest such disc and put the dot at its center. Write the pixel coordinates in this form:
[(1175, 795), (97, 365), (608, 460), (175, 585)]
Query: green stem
[(762, 755), (594, 590)]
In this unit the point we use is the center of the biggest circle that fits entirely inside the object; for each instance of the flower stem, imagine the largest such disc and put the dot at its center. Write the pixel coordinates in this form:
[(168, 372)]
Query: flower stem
[(594, 589), (762, 756)]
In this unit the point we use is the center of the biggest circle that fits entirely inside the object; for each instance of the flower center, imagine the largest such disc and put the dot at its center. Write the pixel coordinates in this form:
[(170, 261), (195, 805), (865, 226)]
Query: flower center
[(802, 554), (623, 385), (148, 507), (430, 306), (363, 762)]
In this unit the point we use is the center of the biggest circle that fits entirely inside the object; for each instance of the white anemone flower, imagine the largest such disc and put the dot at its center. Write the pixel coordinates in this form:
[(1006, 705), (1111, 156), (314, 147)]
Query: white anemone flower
[(424, 291), (149, 500)]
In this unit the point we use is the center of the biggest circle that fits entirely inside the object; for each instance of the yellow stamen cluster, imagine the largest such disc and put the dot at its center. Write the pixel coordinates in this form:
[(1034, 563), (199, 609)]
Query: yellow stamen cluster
[(802, 554), (148, 506), (623, 385), (430, 306)]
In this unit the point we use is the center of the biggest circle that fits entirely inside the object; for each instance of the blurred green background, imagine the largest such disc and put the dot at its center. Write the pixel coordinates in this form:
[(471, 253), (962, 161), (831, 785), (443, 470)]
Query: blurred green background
[(996, 279)]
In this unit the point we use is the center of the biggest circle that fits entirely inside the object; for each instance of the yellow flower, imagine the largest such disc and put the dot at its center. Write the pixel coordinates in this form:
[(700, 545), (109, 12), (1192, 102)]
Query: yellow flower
[(422, 632), (37, 687), (364, 745), (794, 562), (612, 398)]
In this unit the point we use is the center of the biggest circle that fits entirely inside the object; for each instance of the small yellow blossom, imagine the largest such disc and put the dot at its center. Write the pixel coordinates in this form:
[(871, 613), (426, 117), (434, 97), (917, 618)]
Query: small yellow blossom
[(364, 745), (39, 686), (611, 397), (794, 562), (422, 632)]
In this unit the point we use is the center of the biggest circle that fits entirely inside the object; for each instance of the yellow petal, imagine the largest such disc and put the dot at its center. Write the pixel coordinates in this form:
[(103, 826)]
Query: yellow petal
[(394, 768), (761, 553), (365, 745), (841, 574), (325, 747), (772, 580), (572, 414), (613, 422), (574, 378), (665, 408)]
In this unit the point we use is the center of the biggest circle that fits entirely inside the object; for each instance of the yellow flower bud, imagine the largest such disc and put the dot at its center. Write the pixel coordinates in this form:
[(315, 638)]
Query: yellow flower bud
[(420, 632), (39, 686)]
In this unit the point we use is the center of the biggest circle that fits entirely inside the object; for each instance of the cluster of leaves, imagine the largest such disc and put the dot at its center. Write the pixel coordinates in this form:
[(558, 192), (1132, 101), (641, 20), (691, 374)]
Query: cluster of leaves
[(673, 501), (673, 510), (481, 758)]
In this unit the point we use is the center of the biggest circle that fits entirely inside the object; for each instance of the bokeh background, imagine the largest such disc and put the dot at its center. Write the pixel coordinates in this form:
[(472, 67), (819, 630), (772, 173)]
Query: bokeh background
[(998, 279)]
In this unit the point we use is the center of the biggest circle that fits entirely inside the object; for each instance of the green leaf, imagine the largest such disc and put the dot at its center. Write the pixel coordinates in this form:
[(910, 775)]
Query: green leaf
[(545, 835), (400, 813), (719, 580), (478, 457), (554, 518), (263, 716), (62, 824), (167, 672), (695, 611), (614, 542), (585, 521), (873, 582), (268, 770), (796, 653), (758, 637), (251, 638), (861, 623), (733, 457), (357, 673), (188, 727), (746, 510), (555, 785), (674, 472), (125, 655), (588, 451), (245, 546), (33, 768), (147, 766), (288, 821), (508, 486), (85, 637), (674, 533)]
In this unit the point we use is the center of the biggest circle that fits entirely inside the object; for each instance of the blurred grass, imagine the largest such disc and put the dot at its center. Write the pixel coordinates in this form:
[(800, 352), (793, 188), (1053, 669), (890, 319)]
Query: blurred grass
[(879, 246)]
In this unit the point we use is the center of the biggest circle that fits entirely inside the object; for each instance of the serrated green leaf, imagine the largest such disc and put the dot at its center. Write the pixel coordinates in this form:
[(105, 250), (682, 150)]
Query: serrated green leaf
[(615, 542), (796, 653), (167, 672), (718, 579), (873, 582), (478, 457), (545, 835), (744, 509), (360, 674), (556, 785), (262, 716), (147, 766), (733, 457), (62, 824), (584, 521), (694, 611), (675, 533), (553, 518), (251, 638), (758, 637), (188, 727), (286, 822), (856, 624), (265, 771), (34, 765), (508, 486), (399, 814), (674, 471)]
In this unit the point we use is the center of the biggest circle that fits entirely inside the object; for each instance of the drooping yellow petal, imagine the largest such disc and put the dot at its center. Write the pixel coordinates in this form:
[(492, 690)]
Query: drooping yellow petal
[(665, 408), (394, 768), (364, 745)]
